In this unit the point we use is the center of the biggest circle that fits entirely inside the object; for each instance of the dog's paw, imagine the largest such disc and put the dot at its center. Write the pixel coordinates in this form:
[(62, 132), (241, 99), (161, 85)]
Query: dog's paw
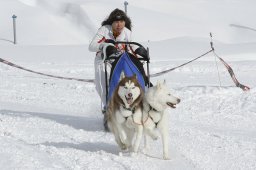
[(166, 157), (123, 147), (123, 137), (134, 154), (155, 137), (145, 149), (120, 154)]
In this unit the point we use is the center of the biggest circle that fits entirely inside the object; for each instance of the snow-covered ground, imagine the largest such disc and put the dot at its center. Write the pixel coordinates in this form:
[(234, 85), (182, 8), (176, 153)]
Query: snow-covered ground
[(48, 123)]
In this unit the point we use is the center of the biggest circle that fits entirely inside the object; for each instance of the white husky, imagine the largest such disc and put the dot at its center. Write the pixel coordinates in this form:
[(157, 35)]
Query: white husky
[(124, 113), (156, 100)]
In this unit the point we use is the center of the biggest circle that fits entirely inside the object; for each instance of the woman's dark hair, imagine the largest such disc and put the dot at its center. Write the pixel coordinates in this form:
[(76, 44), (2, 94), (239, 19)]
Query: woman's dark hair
[(118, 15)]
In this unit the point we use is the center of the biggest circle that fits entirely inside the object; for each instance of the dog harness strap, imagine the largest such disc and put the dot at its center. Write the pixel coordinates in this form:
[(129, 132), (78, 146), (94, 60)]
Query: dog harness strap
[(126, 118), (130, 109), (133, 110), (156, 123), (151, 108)]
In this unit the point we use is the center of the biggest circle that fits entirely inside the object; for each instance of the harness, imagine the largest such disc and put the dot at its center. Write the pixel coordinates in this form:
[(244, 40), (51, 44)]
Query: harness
[(133, 111), (142, 122), (129, 109), (153, 109)]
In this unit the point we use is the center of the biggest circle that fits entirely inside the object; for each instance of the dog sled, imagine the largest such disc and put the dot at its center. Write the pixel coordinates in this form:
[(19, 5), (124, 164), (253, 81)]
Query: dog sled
[(127, 63)]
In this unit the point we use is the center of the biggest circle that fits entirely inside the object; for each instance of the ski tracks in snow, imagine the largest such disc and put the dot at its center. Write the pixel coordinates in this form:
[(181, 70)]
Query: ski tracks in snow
[(215, 127), (56, 124), (48, 141)]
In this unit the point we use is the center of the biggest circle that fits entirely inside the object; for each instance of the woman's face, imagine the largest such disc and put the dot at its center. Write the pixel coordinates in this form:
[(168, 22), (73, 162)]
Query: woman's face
[(117, 26)]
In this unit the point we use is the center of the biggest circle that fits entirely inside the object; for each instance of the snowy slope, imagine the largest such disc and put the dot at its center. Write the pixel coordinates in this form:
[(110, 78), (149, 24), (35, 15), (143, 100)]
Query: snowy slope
[(75, 22), (48, 123), (56, 124)]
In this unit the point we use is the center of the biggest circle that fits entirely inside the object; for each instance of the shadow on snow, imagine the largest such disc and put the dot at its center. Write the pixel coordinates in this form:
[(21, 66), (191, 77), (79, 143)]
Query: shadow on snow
[(77, 122)]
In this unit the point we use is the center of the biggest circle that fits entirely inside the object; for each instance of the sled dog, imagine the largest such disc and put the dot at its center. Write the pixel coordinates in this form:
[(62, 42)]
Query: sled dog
[(156, 100), (124, 113)]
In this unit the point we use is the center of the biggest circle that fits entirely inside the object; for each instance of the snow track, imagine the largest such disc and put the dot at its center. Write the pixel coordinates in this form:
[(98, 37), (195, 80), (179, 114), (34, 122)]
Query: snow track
[(56, 124), (219, 126), (48, 141)]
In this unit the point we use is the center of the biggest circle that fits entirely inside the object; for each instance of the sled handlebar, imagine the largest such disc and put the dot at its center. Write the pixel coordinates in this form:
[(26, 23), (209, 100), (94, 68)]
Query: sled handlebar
[(144, 53), (125, 42)]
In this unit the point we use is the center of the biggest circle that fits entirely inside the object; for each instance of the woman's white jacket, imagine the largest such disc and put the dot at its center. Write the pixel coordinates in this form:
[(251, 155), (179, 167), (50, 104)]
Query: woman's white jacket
[(105, 32)]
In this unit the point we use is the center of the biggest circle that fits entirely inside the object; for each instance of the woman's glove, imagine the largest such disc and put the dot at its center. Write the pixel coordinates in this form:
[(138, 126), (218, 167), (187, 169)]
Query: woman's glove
[(110, 50), (106, 43), (110, 41)]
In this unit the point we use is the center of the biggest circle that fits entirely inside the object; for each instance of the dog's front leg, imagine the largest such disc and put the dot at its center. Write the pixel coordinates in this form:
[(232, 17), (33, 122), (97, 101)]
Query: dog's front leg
[(146, 147), (152, 133), (163, 128), (122, 134), (119, 123), (165, 143), (139, 134), (115, 131)]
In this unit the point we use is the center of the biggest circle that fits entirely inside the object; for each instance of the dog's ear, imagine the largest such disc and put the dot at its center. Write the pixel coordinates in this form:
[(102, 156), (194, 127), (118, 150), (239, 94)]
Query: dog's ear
[(122, 76), (159, 85)]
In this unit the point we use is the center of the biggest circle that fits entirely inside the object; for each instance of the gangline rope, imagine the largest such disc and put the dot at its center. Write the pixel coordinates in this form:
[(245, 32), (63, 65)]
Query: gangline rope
[(230, 70)]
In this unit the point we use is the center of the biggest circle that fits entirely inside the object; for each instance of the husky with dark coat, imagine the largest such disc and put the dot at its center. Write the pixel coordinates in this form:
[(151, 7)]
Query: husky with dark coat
[(124, 113), (156, 100)]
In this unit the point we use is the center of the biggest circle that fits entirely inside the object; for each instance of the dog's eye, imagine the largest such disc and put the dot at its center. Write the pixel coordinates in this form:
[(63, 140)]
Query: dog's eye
[(133, 87), (169, 94), (125, 87)]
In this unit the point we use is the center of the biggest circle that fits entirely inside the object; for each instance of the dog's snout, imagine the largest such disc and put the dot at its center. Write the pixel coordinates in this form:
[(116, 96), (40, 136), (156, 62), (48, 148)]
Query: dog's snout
[(178, 100), (129, 94)]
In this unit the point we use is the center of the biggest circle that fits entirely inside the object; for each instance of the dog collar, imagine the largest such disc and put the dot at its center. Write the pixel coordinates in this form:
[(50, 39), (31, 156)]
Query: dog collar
[(130, 109)]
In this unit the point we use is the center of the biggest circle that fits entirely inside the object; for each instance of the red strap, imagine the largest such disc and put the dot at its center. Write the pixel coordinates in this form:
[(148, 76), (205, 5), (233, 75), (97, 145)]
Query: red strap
[(103, 39), (120, 46), (133, 52)]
